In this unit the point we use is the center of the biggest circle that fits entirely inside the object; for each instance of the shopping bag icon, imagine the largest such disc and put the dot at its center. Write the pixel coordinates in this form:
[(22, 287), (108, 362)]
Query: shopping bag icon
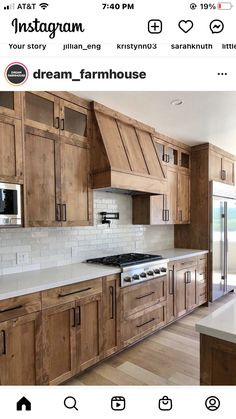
[(165, 403)]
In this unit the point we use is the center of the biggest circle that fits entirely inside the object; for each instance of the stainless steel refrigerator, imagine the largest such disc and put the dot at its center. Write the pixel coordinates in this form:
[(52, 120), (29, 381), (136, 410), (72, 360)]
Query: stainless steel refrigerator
[(223, 239)]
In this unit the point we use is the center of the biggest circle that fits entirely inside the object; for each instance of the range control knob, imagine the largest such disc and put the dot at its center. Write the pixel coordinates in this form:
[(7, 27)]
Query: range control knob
[(143, 275), (150, 273), (157, 271), (163, 269), (135, 276), (127, 279)]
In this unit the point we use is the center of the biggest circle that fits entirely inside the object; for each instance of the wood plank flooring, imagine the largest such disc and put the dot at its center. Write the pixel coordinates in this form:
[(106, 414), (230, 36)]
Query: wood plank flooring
[(169, 357)]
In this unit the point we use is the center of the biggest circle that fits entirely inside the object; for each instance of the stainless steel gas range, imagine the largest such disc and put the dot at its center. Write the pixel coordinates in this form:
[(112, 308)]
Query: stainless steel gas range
[(135, 267)]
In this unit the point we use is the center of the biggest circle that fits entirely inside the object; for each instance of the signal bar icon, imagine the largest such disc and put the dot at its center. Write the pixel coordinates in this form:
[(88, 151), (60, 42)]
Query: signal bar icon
[(9, 7)]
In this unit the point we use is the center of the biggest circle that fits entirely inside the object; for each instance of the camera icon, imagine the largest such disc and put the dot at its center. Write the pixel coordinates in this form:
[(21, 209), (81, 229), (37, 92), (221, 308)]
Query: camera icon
[(165, 403)]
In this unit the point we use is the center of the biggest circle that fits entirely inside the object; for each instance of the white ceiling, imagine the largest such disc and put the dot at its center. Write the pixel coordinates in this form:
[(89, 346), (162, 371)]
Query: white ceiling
[(204, 116)]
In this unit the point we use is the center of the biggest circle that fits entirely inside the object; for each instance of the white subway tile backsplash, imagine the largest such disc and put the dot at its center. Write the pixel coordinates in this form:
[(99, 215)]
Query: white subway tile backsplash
[(58, 246)]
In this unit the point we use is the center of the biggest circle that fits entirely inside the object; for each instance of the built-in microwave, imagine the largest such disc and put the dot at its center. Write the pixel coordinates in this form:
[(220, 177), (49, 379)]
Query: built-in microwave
[(10, 205)]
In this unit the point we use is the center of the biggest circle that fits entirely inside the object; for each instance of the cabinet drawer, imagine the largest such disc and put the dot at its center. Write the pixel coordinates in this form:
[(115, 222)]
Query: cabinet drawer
[(202, 293), (139, 297), (185, 263), (202, 259), (138, 325), (69, 293), (19, 306), (202, 274)]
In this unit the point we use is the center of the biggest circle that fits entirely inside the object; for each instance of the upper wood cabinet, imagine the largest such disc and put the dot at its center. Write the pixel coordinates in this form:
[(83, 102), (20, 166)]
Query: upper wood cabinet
[(221, 167), (10, 104), (172, 154), (57, 162), (42, 178), (11, 151), (183, 199), (172, 208), (56, 180), (48, 112)]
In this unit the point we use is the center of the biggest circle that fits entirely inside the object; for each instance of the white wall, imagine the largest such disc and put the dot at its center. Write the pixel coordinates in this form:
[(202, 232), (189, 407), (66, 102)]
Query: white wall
[(47, 247)]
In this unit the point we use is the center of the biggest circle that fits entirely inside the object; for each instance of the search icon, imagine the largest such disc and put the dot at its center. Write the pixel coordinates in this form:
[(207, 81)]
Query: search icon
[(70, 403)]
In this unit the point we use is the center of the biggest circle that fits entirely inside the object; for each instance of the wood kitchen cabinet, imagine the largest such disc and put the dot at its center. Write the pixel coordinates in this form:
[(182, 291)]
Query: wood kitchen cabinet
[(10, 104), (183, 199), (20, 340), (172, 208), (57, 182), (59, 343), (11, 150), (20, 350), (111, 314), (143, 309), (72, 329), (57, 162), (222, 168), (185, 290), (51, 113)]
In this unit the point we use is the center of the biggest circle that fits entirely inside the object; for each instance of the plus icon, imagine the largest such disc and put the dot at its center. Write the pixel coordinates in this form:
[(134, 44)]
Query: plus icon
[(155, 26)]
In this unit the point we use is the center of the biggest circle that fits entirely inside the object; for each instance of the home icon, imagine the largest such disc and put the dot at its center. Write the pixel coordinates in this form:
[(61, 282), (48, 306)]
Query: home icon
[(23, 404)]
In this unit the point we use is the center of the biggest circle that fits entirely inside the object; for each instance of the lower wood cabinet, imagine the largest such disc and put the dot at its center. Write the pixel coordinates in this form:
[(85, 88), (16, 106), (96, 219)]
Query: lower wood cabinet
[(142, 323), (185, 290), (72, 330), (49, 337), (111, 314), (143, 309), (187, 286), (59, 343), (20, 341)]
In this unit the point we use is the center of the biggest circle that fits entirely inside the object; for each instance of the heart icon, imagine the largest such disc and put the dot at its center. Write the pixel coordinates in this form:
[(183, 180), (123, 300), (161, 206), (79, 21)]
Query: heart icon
[(186, 25)]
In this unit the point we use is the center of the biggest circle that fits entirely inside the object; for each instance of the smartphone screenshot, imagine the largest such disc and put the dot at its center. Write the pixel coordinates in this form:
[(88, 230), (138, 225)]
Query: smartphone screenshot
[(117, 209)]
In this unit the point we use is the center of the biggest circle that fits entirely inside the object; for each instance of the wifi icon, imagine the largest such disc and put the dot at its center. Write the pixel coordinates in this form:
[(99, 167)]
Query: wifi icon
[(44, 5)]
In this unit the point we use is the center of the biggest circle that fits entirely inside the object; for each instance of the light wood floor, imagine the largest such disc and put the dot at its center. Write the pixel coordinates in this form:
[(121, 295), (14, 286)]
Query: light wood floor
[(169, 357)]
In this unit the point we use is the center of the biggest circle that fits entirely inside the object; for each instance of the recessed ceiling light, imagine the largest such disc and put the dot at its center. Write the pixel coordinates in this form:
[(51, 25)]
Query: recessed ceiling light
[(177, 102)]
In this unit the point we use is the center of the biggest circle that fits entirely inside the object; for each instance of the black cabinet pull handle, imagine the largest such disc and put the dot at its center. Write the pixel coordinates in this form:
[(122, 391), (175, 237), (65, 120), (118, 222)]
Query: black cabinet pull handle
[(64, 212), (74, 292), (223, 174), (58, 212), (77, 316), (167, 215), (112, 302), (146, 295), (3, 343), (57, 122), (149, 321), (164, 215), (10, 309), (62, 124), (171, 282)]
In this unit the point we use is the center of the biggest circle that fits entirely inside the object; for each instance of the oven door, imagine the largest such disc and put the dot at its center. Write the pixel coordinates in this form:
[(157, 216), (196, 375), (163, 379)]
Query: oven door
[(10, 205)]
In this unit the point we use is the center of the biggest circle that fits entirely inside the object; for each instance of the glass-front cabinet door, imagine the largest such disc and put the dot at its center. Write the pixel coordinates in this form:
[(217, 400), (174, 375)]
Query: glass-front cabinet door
[(10, 104), (171, 155), (73, 121), (42, 111)]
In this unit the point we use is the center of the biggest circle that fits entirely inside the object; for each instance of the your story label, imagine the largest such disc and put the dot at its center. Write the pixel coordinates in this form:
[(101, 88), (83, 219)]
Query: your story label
[(41, 47)]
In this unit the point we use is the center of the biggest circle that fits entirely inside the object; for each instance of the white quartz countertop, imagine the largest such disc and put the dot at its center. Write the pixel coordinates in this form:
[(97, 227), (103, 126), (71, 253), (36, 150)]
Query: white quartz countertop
[(14, 285), (221, 323), (177, 254), (28, 282)]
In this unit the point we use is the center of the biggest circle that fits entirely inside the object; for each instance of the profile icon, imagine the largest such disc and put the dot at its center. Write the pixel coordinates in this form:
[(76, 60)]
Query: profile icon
[(212, 403)]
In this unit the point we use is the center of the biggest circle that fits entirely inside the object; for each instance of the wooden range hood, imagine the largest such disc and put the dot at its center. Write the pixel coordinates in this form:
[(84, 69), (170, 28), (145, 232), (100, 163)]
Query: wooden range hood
[(124, 156)]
